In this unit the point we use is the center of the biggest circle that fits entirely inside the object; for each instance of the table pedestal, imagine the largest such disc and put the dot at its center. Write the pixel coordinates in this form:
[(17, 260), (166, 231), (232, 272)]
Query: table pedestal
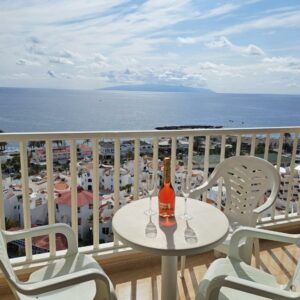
[(208, 227), (169, 278)]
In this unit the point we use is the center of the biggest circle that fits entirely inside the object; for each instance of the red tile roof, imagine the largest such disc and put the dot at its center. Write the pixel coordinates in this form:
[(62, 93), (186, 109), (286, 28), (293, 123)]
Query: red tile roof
[(83, 198), (60, 186), (43, 242)]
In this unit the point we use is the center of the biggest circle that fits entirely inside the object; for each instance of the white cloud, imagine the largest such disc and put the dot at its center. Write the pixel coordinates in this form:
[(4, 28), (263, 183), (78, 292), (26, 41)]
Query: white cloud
[(36, 49), (60, 60), (282, 64), (27, 62), (21, 76), (253, 50), (280, 20), (219, 11), (169, 76), (95, 43), (34, 40), (15, 76), (220, 70), (293, 85), (100, 58), (223, 42), (187, 41), (66, 75), (282, 9), (52, 74), (67, 54)]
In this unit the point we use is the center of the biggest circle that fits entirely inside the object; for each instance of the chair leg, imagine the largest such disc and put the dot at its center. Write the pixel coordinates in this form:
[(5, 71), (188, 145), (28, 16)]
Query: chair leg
[(103, 291), (256, 252), (182, 266), (218, 254)]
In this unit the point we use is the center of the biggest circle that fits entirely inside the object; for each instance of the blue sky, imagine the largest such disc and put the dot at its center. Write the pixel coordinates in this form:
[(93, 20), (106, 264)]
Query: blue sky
[(245, 46)]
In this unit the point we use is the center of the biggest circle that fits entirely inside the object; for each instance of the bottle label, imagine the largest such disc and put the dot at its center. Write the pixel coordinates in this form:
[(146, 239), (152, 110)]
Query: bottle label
[(164, 205), (167, 170)]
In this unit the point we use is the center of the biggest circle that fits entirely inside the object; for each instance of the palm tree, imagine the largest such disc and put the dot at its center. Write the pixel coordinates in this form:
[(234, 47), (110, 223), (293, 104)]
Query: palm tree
[(36, 144), (87, 142), (287, 136), (2, 144), (58, 143)]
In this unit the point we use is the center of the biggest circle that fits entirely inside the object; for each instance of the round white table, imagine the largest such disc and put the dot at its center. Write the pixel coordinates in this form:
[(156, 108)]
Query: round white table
[(170, 237)]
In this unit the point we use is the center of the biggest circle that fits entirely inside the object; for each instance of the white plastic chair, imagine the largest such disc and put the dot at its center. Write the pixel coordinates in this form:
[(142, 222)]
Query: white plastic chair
[(73, 276), (231, 278), (246, 179)]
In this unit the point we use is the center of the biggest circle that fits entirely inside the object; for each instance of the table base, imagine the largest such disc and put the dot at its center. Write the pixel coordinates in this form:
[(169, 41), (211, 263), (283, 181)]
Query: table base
[(169, 278)]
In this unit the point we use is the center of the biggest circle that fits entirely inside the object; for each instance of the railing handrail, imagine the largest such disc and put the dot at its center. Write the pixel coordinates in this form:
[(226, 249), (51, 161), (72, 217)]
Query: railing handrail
[(32, 136)]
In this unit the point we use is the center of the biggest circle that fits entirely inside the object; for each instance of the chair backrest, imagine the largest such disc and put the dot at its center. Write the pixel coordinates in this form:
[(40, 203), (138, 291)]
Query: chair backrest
[(5, 265), (246, 179)]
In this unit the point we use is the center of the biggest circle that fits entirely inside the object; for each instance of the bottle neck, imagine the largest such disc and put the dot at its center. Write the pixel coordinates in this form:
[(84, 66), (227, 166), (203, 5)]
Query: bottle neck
[(167, 171)]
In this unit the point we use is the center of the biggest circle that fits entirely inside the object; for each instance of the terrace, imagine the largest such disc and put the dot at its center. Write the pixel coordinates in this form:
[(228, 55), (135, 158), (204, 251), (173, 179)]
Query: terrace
[(205, 148)]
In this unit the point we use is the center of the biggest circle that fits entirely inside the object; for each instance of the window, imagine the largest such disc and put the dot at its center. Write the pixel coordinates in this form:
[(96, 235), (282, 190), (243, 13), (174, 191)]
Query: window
[(78, 210), (79, 221), (91, 206), (105, 230)]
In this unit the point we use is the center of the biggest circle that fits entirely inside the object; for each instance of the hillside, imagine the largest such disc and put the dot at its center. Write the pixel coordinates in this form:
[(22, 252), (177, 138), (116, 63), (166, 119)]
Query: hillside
[(158, 88)]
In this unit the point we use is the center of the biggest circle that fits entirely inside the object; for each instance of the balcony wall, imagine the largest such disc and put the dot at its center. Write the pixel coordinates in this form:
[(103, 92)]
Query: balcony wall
[(204, 149)]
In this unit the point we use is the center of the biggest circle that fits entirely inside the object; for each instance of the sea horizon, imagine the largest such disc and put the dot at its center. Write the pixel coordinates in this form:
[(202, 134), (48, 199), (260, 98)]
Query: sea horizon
[(57, 110), (115, 90)]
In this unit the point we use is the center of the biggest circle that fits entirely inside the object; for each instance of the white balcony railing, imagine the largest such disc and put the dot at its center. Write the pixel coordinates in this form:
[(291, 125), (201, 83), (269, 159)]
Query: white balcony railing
[(266, 139)]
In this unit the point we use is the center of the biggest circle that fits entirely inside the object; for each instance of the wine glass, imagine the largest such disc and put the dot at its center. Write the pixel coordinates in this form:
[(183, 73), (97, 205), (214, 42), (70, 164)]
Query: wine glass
[(185, 191), (151, 182)]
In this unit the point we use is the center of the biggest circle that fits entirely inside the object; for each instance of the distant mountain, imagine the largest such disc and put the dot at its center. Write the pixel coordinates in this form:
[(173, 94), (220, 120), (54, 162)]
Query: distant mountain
[(158, 88)]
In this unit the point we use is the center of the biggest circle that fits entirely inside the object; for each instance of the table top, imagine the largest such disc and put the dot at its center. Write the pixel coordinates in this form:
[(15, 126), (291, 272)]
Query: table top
[(170, 236)]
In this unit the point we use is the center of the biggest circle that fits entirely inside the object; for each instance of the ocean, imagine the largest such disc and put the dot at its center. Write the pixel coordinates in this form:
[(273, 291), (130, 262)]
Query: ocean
[(46, 110)]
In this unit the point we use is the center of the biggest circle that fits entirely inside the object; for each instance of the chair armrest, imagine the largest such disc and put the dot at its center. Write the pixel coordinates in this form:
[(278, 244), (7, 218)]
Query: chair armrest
[(209, 183), (64, 229), (55, 283), (250, 232), (263, 207), (251, 287), (270, 201), (195, 193)]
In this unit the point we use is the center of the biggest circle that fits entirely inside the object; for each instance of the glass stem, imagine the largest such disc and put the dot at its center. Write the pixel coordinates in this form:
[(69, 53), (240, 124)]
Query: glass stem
[(150, 203), (185, 208)]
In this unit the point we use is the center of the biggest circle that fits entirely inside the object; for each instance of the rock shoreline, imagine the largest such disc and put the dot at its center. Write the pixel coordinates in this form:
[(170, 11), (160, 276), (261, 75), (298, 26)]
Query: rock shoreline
[(187, 127)]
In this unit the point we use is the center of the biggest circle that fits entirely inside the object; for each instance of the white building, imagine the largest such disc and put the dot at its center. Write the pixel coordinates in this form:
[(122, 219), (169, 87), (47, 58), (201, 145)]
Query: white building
[(107, 178), (11, 206), (85, 179), (84, 209), (106, 211), (38, 209), (107, 148)]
